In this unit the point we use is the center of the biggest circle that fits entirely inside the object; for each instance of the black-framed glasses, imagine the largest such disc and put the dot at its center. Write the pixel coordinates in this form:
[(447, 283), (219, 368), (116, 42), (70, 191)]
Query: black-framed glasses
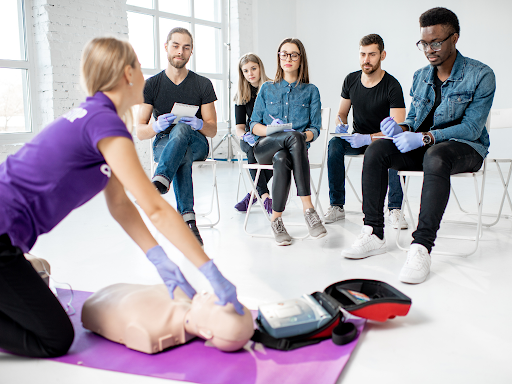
[(435, 46), (294, 56)]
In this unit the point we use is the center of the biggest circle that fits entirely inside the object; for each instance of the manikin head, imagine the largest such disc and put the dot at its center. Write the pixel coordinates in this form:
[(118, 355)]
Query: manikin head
[(221, 325), (371, 53)]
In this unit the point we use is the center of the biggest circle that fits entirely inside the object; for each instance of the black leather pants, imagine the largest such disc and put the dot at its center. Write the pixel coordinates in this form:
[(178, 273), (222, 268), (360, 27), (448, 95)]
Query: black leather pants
[(287, 152)]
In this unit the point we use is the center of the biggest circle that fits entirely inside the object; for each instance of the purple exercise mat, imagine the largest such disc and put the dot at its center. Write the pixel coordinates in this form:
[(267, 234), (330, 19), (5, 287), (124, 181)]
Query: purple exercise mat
[(198, 363)]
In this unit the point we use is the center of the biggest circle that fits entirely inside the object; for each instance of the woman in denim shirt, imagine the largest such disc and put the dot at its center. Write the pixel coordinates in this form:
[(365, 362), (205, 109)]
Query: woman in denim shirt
[(288, 99)]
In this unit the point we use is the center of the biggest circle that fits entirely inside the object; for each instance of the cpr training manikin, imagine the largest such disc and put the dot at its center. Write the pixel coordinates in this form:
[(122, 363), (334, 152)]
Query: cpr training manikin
[(146, 319)]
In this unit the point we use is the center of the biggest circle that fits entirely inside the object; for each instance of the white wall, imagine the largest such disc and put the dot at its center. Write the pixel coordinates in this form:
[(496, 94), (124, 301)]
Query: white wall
[(331, 30)]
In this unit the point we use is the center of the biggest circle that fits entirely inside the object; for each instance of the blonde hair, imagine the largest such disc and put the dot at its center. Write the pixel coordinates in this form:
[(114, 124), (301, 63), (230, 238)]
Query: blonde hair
[(243, 95), (103, 62), (303, 67)]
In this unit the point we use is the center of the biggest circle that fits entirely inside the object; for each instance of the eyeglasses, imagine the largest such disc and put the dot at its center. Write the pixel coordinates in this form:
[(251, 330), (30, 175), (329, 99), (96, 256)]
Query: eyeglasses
[(435, 46), (284, 55)]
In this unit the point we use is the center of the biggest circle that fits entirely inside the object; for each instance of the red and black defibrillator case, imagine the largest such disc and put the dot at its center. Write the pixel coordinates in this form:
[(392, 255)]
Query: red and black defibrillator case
[(369, 299)]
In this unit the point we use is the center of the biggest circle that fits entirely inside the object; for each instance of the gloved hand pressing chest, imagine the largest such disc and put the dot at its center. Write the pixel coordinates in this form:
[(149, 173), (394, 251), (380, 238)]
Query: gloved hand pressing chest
[(225, 291), (169, 272)]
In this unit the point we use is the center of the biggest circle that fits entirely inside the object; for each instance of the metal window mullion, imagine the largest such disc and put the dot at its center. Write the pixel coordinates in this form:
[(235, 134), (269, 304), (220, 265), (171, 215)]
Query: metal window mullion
[(156, 32), (193, 31)]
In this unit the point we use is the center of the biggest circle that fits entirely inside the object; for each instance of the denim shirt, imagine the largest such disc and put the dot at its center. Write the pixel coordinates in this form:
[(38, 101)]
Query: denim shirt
[(466, 99), (294, 103)]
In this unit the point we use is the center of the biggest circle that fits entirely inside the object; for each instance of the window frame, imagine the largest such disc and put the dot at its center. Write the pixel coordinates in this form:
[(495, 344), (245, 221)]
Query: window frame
[(221, 110), (29, 82)]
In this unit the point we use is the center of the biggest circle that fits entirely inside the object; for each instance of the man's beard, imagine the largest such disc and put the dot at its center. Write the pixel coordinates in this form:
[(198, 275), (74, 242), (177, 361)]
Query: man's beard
[(177, 64), (372, 70)]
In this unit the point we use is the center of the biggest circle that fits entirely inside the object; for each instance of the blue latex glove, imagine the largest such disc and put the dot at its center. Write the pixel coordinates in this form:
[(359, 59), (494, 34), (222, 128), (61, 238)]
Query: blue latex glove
[(163, 122), (277, 122), (194, 122), (357, 140), (249, 139), (169, 272), (341, 128), (389, 127), (225, 291), (407, 141)]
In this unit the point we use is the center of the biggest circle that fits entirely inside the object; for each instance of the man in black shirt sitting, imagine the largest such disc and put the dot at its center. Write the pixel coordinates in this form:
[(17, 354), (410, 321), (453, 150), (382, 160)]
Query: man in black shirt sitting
[(375, 95), (178, 143)]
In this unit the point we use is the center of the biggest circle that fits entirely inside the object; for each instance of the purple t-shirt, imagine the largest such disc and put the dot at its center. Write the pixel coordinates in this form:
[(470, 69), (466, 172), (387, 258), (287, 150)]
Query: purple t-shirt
[(58, 171)]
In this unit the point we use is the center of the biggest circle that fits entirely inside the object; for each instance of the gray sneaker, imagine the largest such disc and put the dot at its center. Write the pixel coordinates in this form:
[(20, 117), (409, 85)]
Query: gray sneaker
[(315, 227), (334, 213), (281, 235)]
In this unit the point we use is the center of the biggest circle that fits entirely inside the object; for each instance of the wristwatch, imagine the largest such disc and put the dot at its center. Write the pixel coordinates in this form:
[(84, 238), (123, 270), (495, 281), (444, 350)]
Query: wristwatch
[(427, 140)]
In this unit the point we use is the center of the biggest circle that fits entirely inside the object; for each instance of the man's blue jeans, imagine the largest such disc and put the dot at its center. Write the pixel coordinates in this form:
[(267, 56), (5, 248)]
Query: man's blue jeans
[(338, 148), (175, 152)]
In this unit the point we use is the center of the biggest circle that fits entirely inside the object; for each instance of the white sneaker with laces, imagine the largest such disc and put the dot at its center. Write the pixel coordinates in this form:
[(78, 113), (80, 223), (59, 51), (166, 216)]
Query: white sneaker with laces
[(417, 265), (394, 219), (367, 244)]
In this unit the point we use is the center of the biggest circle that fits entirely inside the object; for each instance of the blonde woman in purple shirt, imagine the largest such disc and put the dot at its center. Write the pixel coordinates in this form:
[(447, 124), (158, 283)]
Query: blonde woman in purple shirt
[(85, 151)]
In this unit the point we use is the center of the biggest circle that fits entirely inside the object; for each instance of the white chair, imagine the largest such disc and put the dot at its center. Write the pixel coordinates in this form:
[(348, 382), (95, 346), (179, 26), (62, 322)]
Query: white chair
[(315, 188), (214, 201), (347, 178)]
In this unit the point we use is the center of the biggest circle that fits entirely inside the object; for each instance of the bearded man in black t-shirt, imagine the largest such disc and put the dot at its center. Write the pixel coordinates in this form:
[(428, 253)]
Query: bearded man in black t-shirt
[(375, 95), (178, 143)]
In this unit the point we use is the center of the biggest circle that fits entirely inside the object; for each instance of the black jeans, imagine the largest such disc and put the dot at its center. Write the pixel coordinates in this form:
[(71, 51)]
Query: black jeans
[(32, 321), (265, 174), (287, 152), (437, 162)]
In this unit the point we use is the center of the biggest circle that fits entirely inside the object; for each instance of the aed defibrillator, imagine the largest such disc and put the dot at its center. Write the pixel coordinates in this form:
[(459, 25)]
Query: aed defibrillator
[(291, 324)]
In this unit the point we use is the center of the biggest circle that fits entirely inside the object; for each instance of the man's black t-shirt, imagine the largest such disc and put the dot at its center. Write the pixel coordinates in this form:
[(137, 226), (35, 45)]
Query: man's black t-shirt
[(371, 105), (243, 112), (429, 120), (162, 93)]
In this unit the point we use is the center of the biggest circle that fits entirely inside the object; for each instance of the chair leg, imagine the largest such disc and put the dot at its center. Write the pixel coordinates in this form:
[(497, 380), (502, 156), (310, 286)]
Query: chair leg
[(405, 202), (214, 198)]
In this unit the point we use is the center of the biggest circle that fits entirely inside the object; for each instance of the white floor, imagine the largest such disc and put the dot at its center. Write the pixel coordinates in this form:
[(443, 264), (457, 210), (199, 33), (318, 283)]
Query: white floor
[(458, 329)]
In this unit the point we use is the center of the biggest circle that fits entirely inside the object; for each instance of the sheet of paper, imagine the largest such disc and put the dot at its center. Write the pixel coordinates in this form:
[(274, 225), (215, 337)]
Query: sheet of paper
[(182, 110), (349, 134), (283, 126)]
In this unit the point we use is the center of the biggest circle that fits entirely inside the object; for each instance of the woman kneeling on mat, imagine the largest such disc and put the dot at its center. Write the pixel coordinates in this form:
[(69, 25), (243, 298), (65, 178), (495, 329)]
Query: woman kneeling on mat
[(290, 98), (87, 150), (251, 75)]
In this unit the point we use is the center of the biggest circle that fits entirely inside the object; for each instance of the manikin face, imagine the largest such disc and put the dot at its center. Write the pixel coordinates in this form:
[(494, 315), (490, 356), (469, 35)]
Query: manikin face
[(221, 325), (438, 33), (251, 73), (370, 58), (288, 65), (179, 50)]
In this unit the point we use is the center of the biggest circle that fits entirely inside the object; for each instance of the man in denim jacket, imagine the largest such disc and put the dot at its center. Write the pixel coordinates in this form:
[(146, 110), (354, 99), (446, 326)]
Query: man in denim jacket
[(443, 134)]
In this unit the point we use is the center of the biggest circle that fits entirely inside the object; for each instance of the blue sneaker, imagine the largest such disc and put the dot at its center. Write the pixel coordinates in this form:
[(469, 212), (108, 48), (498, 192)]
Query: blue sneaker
[(244, 204)]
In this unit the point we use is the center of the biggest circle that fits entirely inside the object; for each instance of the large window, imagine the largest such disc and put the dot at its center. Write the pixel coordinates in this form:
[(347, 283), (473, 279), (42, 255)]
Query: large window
[(15, 70), (149, 22)]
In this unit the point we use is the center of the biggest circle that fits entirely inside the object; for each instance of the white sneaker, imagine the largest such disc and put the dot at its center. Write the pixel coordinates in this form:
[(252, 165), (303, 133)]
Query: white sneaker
[(334, 213), (394, 219), (417, 265), (367, 244)]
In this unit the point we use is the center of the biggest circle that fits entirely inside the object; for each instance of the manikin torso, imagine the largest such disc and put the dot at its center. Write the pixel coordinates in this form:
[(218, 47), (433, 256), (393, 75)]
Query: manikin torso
[(145, 318)]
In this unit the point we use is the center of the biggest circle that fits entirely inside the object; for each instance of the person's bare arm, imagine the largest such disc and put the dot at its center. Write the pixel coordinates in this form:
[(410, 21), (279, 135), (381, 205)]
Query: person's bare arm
[(343, 110), (120, 155), (240, 130), (124, 212), (260, 130), (142, 127), (209, 116)]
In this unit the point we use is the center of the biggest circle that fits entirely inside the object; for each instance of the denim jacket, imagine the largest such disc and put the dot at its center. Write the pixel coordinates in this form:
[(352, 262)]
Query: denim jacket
[(466, 99), (294, 103)]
